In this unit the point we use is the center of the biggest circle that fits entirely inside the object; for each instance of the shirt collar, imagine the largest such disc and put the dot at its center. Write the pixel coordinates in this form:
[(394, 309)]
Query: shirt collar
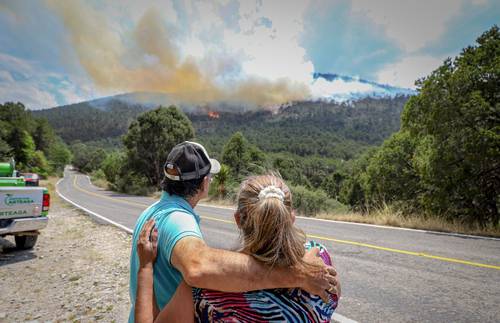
[(180, 201)]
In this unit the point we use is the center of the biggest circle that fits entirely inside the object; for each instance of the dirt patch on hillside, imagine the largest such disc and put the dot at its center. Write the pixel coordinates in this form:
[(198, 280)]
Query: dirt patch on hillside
[(77, 272)]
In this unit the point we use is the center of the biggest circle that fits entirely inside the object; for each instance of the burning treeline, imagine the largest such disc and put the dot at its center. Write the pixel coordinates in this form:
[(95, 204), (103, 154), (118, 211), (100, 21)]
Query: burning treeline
[(145, 59)]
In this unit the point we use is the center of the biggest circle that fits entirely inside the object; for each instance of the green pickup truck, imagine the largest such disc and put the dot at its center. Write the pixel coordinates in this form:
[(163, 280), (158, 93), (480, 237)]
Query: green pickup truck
[(23, 210)]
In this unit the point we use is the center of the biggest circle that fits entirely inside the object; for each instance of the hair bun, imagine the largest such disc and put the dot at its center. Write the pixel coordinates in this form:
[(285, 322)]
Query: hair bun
[(271, 191)]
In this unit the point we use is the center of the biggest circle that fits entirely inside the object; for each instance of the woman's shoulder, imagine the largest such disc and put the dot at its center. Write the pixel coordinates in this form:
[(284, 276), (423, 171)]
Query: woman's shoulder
[(323, 252)]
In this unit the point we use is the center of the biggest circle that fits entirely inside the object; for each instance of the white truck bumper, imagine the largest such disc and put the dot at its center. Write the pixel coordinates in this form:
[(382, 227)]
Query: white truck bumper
[(25, 224)]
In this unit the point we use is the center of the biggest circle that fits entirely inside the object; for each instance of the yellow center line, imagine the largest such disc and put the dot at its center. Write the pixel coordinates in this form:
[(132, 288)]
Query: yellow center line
[(355, 243), (406, 252), (104, 196)]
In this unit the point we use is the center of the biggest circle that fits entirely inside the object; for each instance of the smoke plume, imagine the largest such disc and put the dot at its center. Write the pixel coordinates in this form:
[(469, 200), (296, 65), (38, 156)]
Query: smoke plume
[(146, 59)]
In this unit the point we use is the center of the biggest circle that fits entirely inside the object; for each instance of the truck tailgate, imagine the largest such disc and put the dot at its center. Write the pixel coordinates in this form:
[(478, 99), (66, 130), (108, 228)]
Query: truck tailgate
[(19, 202)]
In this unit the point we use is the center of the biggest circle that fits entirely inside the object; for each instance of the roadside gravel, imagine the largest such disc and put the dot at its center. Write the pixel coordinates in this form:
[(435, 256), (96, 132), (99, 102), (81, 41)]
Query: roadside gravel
[(77, 272)]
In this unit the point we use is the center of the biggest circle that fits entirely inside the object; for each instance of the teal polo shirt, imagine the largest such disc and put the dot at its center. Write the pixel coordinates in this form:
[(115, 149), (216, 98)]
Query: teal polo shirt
[(175, 219)]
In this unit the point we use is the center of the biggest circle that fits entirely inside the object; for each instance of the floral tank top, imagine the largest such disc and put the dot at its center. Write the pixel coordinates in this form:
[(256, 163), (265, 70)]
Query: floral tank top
[(272, 305)]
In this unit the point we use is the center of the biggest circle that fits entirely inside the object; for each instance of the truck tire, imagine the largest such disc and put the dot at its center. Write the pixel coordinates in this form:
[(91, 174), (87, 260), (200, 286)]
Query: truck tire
[(25, 242)]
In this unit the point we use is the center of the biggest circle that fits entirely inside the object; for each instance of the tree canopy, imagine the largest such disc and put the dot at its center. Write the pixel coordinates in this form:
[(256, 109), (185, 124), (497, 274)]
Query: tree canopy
[(445, 160), (31, 141), (242, 157), (151, 137)]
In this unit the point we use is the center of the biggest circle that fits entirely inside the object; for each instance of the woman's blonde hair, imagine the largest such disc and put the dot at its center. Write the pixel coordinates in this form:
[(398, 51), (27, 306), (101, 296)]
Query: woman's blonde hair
[(266, 222)]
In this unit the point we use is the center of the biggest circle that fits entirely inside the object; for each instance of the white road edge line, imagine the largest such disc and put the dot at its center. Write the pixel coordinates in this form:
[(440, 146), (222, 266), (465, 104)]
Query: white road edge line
[(124, 228), (335, 318)]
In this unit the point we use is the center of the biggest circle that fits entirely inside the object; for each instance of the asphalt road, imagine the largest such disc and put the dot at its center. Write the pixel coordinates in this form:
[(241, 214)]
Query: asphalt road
[(387, 274)]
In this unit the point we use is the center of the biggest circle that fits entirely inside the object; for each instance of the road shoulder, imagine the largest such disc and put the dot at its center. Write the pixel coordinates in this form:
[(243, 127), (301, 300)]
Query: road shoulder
[(78, 271)]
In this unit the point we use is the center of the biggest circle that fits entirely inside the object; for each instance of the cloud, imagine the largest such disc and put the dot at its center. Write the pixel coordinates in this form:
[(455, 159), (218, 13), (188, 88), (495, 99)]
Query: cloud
[(475, 18), (342, 42), (19, 83), (413, 24), (268, 37), (405, 72), (24, 81)]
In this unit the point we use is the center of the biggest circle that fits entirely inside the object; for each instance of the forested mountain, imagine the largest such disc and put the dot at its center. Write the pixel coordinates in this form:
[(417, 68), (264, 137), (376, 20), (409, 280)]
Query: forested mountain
[(307, 128), (326, 129), (86, 122)]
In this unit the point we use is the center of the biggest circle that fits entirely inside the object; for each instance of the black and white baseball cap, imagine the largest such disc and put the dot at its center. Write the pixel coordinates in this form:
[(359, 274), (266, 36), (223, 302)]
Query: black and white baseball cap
[(188, 161)]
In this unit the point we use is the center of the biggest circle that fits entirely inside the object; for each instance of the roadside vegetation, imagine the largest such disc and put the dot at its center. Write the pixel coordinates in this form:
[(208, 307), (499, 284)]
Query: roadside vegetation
[(444, 162), (31, 141)]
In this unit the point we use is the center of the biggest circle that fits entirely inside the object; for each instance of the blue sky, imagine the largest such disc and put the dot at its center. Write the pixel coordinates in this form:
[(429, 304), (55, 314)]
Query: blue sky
[(60, 52)]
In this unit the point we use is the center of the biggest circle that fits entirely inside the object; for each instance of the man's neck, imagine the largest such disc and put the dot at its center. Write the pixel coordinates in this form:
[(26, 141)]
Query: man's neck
[(193, 200)]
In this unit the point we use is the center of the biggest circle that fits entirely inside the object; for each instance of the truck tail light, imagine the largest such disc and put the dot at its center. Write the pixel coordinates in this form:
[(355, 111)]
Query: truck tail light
[(46, 202)]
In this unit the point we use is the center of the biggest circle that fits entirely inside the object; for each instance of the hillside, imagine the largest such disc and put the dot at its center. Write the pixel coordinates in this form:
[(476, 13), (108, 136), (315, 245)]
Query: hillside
[(326, 129), (86, 122), (307, 128)]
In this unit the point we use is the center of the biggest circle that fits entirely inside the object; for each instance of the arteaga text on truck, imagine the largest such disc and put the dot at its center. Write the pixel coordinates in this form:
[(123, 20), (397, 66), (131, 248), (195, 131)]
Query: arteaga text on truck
[(23, 210)]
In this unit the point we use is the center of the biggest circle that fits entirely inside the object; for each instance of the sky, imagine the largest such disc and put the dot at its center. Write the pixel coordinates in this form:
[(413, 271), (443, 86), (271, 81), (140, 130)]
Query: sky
[(264, 52)]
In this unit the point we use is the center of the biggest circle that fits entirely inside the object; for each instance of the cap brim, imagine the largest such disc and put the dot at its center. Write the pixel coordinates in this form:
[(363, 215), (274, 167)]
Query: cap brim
[(215, 166)]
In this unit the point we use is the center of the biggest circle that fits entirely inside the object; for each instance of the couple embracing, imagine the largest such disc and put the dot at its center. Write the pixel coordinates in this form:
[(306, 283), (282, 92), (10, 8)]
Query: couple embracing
[(276, 275)]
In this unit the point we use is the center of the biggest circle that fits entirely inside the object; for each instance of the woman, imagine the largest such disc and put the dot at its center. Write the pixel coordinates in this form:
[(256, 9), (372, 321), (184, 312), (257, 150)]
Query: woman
[(266, 222)]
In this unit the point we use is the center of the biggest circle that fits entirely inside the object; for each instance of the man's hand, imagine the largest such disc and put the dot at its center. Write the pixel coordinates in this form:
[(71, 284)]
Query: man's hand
[(147, 244), (318, 278)]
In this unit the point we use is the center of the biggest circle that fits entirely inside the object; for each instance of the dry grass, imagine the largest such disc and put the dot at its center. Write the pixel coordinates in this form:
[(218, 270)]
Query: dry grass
[(387, 216), (102, 183), (218, 202), (156, 195)]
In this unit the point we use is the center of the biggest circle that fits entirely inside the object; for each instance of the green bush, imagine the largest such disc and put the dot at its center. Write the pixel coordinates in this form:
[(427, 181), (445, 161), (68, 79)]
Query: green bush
[(220, 180), (59, 156), (134, 184), (98, 174), (112, 166), (87, 158), (40, 165), (311, 202)]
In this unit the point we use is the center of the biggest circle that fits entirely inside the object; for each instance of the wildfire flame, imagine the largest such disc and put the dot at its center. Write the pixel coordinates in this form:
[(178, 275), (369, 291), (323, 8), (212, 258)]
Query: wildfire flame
[(213, 115)]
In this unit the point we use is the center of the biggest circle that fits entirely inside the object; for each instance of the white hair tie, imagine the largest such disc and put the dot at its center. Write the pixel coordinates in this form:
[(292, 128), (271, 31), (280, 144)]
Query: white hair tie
[(271, 191)]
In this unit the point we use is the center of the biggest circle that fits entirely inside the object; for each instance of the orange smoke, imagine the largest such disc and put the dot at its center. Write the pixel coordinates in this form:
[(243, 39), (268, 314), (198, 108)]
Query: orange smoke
[(112, 65)]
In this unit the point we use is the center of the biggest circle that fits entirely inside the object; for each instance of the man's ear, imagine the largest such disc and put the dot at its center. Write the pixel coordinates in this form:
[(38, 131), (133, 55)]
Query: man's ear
[(206, 182), (237, 218)]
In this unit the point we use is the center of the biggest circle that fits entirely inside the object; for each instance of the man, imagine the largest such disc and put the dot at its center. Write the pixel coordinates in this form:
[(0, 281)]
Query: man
[(182, 254)]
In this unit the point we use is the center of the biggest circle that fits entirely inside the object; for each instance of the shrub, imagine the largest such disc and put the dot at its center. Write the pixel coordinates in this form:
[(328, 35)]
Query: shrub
[(311, 202), (112, 166), (135, 184)]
